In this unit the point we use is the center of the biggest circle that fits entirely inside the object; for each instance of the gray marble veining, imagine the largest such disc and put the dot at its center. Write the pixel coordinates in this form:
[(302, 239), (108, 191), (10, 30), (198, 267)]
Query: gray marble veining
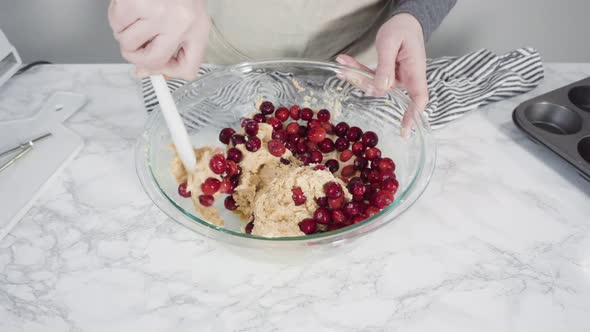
[(500, 241)]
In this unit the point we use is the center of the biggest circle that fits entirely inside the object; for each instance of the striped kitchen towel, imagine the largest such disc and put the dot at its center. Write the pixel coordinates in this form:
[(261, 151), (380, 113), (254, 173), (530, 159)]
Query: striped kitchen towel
[(457, 85)]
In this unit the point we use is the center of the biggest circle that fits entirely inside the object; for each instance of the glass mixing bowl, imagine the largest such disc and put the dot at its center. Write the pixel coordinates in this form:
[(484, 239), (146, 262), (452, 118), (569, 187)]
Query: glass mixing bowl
[(224, 97)]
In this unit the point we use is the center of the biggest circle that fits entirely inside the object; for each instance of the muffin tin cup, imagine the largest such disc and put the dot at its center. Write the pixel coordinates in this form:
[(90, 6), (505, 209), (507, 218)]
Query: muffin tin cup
[(560, 120)]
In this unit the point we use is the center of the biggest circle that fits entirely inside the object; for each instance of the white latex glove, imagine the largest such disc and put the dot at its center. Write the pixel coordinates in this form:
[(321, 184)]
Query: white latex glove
[(166, 37), (401, 58)]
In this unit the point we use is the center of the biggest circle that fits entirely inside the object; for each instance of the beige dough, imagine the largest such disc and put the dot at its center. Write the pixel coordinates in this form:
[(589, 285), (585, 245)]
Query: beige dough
[(194, 180), (275, 212), (264, 194)]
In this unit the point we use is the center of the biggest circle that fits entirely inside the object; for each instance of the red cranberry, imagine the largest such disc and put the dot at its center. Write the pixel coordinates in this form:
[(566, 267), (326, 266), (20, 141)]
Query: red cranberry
[(333, 165), (338, 216), (322, 216), (308, 226), (340, 129), (319, 168), (303, 130), (375, 186), (305, 159), (237, 139), (244, 122), (358, 198), (253, 144), (249, 227), (230, 203), (356, 188), (259, 118), (370, 139), (294, 111), (358, 149), (183, 190), (390, 185), (336, 203), (334, 227), (358, 219), (225, 135), (314, 123), (298, 196), (375, 163), (282, 113), (373, 153), (317, 134), (301, 148), (341, 144), (348, 171), (293, 128), (275, 123), (306, 114), (234, 181), (369, 191), (386, 175), (351, 209), (382, 199), (206, 200), (322, 201), (251, 128), (234, 155), (225, 187), (311, 146), (386, 164), (333, 190), (345, 155), (356, 179), (365, 174), (360, 163), (362, 207), (280, 134), (326, 146), (285, 161), (329, 128), (276, 147), (354, 134), (315, 157), (231, 168), (374, 176), (267, 107), (210, 186), (323, 115), (218, 164), (290, 145), (294, 138), (371, 211)]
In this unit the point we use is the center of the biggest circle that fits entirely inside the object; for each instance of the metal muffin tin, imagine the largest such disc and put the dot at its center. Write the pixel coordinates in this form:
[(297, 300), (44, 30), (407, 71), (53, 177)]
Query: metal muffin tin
[(560, 120)]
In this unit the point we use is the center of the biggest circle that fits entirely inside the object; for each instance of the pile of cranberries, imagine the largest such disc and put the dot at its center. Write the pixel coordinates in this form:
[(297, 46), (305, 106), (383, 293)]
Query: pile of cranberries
[(370, 178)]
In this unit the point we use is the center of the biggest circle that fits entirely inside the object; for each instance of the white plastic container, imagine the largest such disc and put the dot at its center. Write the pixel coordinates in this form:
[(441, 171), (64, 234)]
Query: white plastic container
[(10, 61)]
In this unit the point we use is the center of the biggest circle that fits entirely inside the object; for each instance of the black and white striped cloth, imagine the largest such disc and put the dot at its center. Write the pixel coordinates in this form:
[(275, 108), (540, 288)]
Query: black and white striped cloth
[(457, 85)]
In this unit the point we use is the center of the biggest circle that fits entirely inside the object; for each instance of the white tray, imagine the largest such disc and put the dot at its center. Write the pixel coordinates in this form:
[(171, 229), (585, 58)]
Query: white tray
[(22, 182)]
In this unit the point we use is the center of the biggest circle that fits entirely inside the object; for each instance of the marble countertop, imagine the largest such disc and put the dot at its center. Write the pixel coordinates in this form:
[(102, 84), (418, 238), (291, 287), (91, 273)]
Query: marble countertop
[(500, 241)]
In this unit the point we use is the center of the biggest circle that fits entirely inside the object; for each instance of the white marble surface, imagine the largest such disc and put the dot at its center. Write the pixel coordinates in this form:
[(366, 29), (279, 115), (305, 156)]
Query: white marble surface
[(500, 241)]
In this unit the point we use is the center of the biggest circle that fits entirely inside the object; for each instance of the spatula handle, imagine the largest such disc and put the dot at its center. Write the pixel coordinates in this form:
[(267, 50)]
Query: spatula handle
[(174, 121)]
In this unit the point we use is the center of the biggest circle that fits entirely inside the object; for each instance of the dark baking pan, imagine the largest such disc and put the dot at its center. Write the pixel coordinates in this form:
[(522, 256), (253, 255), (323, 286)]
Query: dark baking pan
[(560, 120)]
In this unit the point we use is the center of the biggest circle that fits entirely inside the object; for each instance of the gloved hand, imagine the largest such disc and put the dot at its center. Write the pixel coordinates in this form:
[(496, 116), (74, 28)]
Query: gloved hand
[(161, 36), (401, 58)]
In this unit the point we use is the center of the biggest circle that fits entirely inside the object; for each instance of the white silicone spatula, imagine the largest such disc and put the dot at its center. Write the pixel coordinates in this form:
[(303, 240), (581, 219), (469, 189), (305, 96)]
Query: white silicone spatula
[(174, 122)]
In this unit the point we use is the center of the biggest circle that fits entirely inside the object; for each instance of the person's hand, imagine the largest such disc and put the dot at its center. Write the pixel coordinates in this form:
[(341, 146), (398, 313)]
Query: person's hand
[(401, 58), (161, 36)]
